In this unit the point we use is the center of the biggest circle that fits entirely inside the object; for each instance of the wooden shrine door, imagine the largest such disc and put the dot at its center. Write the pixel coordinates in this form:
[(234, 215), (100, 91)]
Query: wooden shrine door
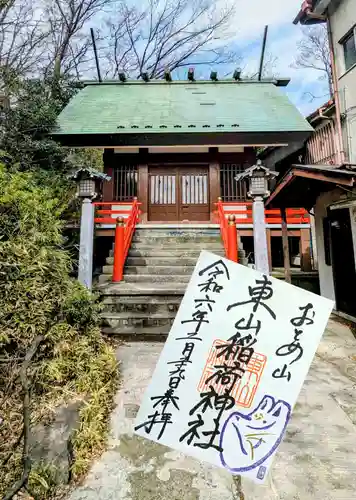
[(193, 190), (178, 194)]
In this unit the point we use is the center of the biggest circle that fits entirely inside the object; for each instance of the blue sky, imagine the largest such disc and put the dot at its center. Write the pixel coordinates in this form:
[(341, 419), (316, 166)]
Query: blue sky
[(251, 17), (245, 35)]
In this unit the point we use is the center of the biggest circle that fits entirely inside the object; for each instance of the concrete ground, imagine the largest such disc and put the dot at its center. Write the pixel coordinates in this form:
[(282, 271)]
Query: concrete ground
[(317, 459)]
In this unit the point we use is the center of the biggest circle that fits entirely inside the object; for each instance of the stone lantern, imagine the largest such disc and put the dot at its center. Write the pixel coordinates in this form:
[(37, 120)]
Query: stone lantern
[(89, 186), (258, 178)]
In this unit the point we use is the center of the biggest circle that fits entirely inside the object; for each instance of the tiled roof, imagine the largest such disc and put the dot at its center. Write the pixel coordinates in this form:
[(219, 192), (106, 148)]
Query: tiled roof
[(174, 107)]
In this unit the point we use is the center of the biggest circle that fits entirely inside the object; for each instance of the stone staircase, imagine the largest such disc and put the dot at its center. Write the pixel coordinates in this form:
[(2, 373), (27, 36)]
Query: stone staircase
[(158, 267)]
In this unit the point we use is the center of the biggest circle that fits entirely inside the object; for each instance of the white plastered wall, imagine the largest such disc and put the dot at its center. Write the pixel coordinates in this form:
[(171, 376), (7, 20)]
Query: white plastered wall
[(342, 20)]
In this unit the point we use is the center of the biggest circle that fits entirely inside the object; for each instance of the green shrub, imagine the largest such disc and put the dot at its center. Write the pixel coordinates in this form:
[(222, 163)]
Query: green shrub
[(38, 297)]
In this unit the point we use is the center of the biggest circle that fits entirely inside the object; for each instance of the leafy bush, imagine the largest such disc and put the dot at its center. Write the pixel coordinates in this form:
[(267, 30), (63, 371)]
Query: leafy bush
[(28, 122), (26, 127), (38, 298)]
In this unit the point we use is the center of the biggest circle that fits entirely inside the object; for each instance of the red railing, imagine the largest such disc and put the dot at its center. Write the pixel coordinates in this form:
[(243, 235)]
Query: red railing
[(228, 233), (243, 215), (228, 216), (124, 231), (223, 225), (101, 215)]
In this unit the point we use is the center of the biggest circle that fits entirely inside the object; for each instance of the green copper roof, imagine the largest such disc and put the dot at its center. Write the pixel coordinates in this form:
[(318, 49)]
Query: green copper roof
[(174, 107)]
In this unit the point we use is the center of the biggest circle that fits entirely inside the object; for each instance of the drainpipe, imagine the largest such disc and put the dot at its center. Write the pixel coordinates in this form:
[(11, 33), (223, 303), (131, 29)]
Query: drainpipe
[(341, 151)]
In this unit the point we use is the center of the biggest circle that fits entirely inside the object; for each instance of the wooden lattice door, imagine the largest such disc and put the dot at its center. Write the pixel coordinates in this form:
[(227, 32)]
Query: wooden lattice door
[(194, 194), (162, 194), (178, 193)]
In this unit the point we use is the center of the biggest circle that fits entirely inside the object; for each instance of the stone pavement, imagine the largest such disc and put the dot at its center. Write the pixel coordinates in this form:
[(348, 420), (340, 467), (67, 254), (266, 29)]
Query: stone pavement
[(317, 459)]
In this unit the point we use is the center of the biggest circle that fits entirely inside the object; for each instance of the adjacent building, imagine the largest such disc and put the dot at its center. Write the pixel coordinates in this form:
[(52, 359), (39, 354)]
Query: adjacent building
[(340, 19), (321, 175)]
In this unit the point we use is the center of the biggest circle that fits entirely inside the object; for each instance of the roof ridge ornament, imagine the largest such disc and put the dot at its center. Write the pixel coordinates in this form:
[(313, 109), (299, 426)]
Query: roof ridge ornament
[(191, 77), (197, 88), (237, 74)]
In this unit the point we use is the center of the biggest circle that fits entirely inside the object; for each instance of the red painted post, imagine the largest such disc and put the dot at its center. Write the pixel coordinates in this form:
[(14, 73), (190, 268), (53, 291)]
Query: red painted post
[(232, 239), (119, 250)]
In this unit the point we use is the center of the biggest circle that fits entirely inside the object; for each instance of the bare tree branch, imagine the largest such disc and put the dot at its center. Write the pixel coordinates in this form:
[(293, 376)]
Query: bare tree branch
[(21, 38), (51, 37), (268, 70), (314, 53), (69, 40), (311, 97), (170, 34)]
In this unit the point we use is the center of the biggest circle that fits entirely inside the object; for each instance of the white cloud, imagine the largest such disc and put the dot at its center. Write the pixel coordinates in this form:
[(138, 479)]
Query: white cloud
[(250, 18), (252, 15)]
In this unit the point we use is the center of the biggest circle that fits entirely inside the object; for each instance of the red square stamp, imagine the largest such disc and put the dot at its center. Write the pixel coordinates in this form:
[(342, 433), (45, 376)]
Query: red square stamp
[(245, 389)]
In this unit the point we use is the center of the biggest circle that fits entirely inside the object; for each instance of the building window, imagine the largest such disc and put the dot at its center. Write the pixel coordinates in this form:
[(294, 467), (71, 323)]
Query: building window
[(230, 189), (125, 182), (349, 44)]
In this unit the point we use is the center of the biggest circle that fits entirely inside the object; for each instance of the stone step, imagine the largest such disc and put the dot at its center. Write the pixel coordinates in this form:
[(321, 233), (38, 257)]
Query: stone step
[(181, 236), (168, 260), (179, 240), (149, 279), (153, 270), (143, 299), (173, 232), (169, 252), (127, 321), (136, 333), (158, 268), (179, 245), (133, 318), (135, 258), (146, 304), (139, 290), (148, 309), (157, 278), (194, 235)]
